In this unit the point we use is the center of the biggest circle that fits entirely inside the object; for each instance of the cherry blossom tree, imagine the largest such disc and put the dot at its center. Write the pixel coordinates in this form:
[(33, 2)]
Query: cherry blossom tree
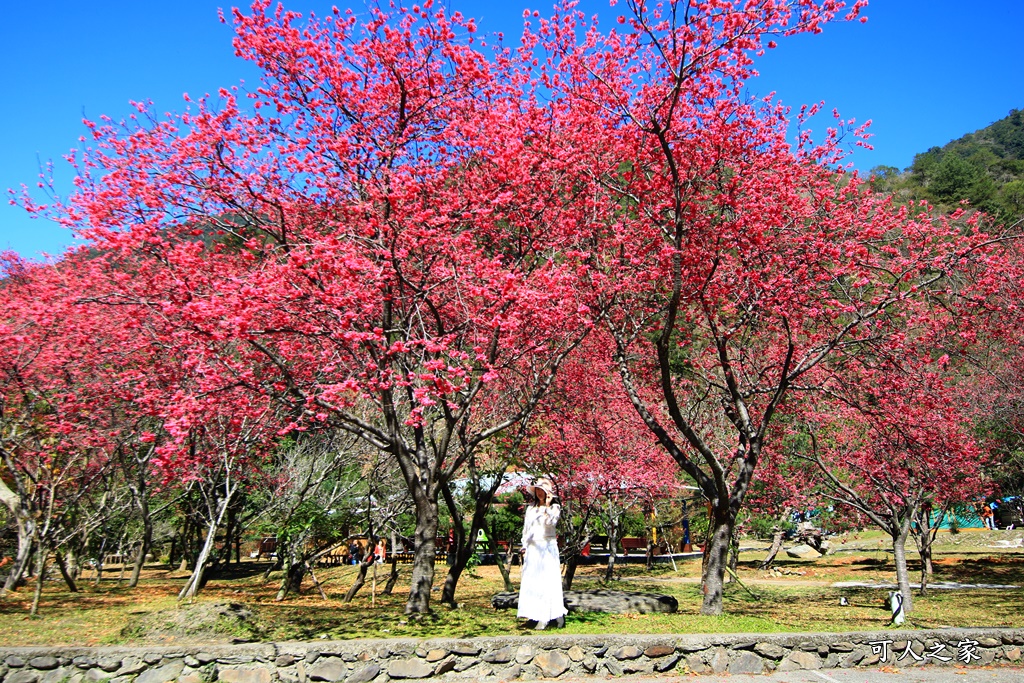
[(380, 222), (734, 261), (603, 459), (63, 409), (891, 446), (402, 234)]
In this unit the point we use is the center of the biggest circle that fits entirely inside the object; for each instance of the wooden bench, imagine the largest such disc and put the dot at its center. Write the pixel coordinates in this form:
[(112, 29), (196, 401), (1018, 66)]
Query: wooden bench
[(335, 556), (629, 543), (266, 546)]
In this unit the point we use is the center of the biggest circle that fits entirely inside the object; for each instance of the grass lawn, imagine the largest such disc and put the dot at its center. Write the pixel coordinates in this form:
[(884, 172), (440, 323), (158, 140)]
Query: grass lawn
[(800, 599)]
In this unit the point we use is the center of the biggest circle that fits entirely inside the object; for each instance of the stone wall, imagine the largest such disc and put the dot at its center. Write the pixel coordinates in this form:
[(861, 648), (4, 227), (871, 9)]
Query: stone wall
[(510, 657)]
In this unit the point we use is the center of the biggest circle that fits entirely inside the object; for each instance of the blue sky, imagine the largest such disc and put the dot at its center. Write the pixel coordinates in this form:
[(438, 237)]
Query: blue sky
[(924, 71)]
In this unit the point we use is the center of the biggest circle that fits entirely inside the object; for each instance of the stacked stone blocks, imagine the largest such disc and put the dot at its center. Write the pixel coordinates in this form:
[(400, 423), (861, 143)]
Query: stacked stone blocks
[(509, 657)]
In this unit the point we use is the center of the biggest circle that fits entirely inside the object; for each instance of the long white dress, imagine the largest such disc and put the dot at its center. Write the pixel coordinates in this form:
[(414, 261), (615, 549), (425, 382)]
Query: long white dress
[(540, 590)]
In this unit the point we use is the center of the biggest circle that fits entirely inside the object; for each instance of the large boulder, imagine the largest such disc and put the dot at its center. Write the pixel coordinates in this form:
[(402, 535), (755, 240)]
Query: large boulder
[(617, 602), (803, 552)]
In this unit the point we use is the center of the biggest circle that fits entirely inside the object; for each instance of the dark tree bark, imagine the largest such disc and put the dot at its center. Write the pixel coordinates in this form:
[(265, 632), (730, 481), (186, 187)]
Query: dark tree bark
[(571, 562), (711, 472), (716, 555), (466, 545), (69, 579), (778, 533), (293, 576), (924, 537), (196, 581), (144, 544), (893, 516), (360, 577), (392, 578)]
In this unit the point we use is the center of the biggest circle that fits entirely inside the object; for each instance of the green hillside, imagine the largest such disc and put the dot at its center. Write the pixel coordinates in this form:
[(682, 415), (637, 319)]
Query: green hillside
[(985, 167)]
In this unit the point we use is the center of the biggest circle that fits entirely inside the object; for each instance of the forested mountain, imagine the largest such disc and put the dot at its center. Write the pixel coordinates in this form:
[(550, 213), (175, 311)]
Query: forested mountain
[(985, 168)]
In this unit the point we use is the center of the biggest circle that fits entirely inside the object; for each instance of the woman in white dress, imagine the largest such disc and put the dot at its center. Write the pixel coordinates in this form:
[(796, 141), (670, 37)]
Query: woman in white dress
[(540, 589)]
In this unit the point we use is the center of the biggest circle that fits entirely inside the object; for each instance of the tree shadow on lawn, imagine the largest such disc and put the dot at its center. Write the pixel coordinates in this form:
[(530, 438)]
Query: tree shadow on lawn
[(245, 570), (868, 609), (963, 568), (980, 568)]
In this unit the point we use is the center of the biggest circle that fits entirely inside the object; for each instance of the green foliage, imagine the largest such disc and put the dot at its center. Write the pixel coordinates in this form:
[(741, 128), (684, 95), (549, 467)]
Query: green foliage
[(633, 524), (984, 168), (505, 518), (1007, 465), (763, 526), (1011, 196), (954, 179)]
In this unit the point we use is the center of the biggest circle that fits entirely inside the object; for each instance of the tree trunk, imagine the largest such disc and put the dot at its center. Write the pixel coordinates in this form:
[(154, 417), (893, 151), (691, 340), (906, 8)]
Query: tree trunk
[(393, 578), (40, 576), (180, 546), (230, 524), (121, 555), (451, 581), (293, 576), (361, 579), (73, 564), (460, 557), (144, 545), (923, 538), (467, 546), (734, 555), (69, 578), (171, 556), (502, 567), (141, 495), (26, 528), (275, 566), (188, 592), (613, 542), (99, 570), (899, 540), (774, 550), (571, 563), (465, 552), (716, 556), (425, 540)]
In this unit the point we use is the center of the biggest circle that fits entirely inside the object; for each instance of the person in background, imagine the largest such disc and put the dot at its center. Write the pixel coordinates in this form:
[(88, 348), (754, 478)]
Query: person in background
[(540, 591), (986, 516)]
